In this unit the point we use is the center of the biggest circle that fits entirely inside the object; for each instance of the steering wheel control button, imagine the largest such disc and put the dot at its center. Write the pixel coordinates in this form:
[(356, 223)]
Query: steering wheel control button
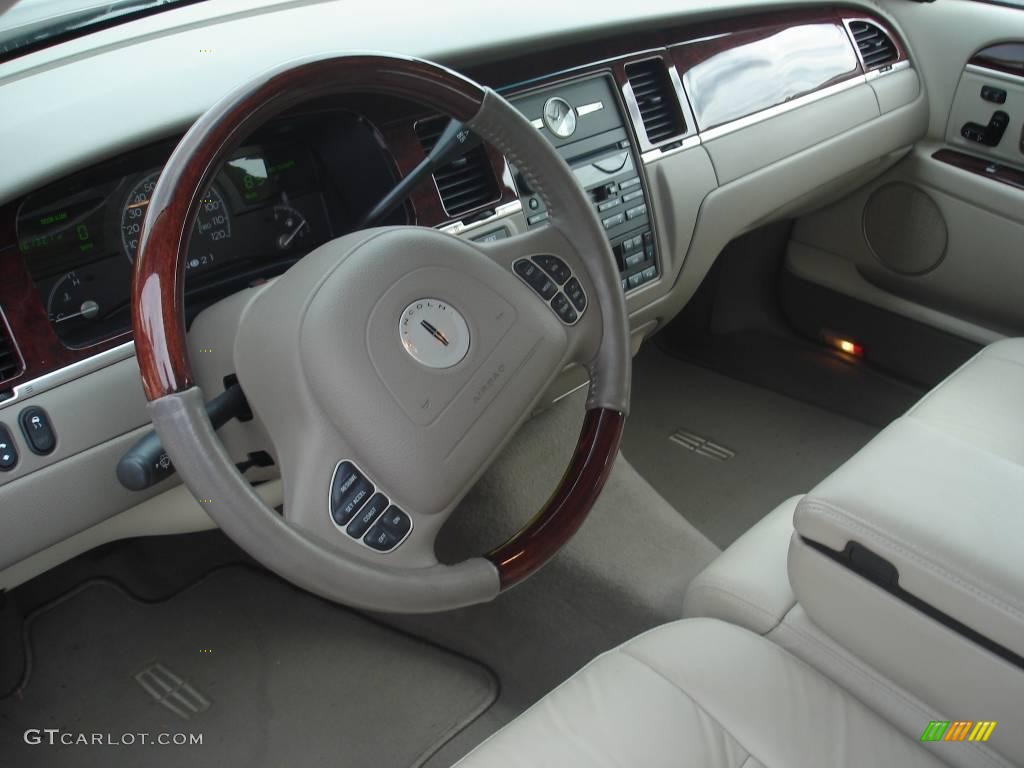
[(38, 430), (381, 539), (567, 303), (367, 515), (535, 278), (564, 309), (396, 521), (555, 267), (574, 291), (8, 453), (349, 491), (389, 531), (434, 333)]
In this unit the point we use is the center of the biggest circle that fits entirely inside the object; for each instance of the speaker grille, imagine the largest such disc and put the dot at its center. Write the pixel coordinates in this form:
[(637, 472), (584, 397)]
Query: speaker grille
[(905, 229)]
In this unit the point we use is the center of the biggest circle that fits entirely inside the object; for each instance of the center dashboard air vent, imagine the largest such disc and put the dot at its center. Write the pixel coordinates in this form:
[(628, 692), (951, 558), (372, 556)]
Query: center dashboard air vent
[(875, 46), (464, 184), (10, 360), (660, 113)]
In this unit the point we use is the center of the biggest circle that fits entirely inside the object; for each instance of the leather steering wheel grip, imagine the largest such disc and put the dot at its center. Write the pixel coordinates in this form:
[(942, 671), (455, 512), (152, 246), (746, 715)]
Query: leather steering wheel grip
[(176, 404)]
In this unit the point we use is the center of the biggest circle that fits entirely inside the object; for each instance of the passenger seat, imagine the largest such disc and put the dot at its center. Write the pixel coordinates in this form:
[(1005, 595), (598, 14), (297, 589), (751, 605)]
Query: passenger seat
[(930, 504)]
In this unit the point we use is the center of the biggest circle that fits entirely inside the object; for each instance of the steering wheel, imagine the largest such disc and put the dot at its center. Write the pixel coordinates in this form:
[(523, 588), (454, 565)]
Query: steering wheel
[(390, 365)]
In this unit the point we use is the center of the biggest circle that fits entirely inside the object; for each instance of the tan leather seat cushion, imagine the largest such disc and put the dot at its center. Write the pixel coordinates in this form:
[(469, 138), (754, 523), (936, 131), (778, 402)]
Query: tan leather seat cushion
[(699, 692)]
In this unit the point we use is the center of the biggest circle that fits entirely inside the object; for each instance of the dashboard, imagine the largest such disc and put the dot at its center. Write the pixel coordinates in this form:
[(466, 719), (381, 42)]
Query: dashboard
[(684, 132)]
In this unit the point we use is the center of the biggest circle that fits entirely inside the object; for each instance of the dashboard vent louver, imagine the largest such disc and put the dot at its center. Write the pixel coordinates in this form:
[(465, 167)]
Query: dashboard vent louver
[(464, 184), (10, 360), (656, 98), (876, 47)]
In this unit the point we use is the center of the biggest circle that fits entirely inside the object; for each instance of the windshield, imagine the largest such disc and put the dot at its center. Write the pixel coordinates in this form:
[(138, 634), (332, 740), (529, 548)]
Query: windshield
[(26, 25)]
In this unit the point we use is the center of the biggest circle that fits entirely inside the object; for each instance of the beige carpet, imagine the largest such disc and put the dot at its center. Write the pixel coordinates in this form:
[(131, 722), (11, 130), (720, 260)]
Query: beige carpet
[(269, 676)]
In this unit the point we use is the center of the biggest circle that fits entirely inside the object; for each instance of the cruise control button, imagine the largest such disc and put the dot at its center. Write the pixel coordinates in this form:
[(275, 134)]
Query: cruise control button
[(555, 267), (348, 492), (564, 309), (396, 521), (8, 453), (367, 515), (535, 278), (574, 291), (381, 538), (38, 430)]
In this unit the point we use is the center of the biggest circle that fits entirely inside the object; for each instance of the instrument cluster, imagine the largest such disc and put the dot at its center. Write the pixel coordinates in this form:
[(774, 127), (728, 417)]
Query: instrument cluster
[(276, 198)]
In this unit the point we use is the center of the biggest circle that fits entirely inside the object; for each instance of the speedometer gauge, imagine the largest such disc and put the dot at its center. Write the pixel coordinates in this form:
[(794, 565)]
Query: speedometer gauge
[(213, 223)]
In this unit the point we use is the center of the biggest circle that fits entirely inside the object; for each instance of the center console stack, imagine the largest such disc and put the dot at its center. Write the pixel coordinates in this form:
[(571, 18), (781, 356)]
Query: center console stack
[(582, 119)]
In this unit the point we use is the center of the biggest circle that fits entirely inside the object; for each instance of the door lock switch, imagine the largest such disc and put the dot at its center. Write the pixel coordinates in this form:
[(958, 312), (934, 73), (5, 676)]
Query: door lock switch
[(993, 94)]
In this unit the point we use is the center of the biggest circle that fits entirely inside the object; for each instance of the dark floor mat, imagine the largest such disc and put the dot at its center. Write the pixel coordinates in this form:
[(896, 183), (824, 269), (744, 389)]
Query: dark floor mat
[(266, 674), (725, 453)]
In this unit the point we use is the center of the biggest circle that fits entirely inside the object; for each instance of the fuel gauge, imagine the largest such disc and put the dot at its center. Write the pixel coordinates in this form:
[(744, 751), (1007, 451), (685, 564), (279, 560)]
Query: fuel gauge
[(89, 303), (70, 300), (292, 226)]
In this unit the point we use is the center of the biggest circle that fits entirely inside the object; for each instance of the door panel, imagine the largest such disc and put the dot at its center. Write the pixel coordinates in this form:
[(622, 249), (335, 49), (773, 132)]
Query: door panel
[(940, 236)]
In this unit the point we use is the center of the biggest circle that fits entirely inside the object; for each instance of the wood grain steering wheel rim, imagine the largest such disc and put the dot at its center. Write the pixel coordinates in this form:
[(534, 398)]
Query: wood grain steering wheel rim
[(159, 275)]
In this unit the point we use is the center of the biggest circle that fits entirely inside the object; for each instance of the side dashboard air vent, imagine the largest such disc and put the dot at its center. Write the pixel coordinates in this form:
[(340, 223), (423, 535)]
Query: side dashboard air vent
[(464, 184), (10, 360), (875, 46), (656, 98)]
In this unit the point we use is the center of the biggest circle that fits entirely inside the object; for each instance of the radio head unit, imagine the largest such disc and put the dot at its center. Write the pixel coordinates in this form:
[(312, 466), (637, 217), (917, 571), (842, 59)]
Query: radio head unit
[(583, 119)]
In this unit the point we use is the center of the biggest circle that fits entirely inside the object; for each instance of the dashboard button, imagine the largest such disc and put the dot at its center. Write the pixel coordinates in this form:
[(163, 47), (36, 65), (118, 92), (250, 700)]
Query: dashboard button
[(535, 278), (634, 195), (636, 212), (650, 273), (348, 492), (367, 515), (630, 183), (38, 430), (607, 205), (614, 221), (635, 280), (564, 309), (574, 291), (537, 218), (8, 453), (555, 267), (491, 237)]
